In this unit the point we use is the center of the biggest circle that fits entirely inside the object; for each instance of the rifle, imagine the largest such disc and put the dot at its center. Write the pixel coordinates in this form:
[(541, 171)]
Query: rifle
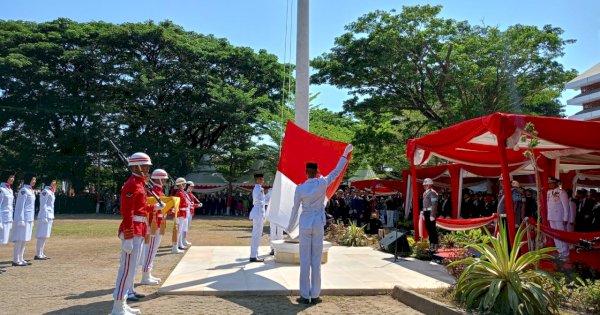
[(147, 184)]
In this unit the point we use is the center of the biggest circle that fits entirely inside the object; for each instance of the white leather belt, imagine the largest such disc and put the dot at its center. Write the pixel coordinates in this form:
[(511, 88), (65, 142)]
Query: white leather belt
[(427, 209), (139, 218), (502, 215), (159, 215)]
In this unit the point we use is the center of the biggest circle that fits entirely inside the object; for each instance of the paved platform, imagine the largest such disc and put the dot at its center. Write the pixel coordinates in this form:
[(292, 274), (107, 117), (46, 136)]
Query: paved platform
[(225, 271)]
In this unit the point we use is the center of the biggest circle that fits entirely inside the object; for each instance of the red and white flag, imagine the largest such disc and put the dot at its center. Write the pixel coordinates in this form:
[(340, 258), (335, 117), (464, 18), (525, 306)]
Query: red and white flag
[(299, 147)]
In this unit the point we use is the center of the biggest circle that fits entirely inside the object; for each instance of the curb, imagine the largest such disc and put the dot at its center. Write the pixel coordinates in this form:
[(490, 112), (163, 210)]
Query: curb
[(422, 303)]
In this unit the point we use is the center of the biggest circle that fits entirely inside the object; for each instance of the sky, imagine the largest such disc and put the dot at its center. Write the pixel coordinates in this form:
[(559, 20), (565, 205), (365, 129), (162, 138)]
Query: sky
[(261, 24)]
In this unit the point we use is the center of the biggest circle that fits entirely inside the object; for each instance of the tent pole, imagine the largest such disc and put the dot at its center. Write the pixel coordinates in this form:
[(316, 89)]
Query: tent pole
[(415, 198), (506, 183)]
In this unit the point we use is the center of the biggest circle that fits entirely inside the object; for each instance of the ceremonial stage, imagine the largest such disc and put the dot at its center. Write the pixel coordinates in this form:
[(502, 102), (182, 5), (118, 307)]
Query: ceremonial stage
[(225, 271)]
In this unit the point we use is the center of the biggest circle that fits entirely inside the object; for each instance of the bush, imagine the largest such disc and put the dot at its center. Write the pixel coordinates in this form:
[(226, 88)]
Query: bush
[(585, 296), (504, 282), (335, 232), (421, 250), (354, 235), (462, 239)]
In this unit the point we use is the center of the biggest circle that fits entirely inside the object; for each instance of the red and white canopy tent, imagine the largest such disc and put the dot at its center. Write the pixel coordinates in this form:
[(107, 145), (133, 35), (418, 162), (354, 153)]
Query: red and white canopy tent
[(207, 183), (494, 141), (453, 176)]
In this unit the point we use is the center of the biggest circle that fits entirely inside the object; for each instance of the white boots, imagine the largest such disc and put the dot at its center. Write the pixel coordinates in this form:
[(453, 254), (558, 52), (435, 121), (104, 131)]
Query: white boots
[(120, 307), (148, 279)]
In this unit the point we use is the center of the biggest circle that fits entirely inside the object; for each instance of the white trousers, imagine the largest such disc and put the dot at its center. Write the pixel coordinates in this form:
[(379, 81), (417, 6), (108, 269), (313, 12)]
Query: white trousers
[(390, 220), (127, 267), (189, 222), (18, 251), (311, 249), (181, 223), (149, 252), (276, 233), (563, 248), (257, 229)]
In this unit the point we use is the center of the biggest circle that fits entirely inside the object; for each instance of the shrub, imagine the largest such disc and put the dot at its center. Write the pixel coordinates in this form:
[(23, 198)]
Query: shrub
[(503, 282), (421, 250), (354, 235), (335, 232)]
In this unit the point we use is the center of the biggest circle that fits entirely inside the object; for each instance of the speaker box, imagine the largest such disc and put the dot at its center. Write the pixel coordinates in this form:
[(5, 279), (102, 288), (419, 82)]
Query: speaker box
[(397, 243)]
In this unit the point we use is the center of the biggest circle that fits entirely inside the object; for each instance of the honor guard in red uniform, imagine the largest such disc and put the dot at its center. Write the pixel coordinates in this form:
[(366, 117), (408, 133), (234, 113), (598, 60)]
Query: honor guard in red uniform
[(182, 215), (193, 205), (132, 231), (155, 219)]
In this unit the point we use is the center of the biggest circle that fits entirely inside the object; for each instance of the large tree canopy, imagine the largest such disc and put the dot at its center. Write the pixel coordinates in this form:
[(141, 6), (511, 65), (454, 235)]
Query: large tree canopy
[(426, 72), (65, 87)]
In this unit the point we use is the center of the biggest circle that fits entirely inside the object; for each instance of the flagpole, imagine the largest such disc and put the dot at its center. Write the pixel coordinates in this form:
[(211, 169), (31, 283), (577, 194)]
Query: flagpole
[(302, 83)]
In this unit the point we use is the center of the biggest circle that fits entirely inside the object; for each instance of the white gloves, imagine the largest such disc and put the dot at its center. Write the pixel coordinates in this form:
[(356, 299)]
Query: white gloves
[(127, 246), (159, 206), (348, 150), (21, 223), (44, 220), (431, 218), (1, 227)]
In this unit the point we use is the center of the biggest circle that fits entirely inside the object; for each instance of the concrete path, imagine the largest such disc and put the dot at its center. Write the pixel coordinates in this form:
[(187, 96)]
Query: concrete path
[(225, 271)]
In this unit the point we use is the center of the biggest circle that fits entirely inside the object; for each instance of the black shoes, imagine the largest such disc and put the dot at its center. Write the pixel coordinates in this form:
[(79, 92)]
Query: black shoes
[(256, 260), (181, 248), (272, 252), (28, 263), (302, 300), (19, 264), (40, 258), (316, 300)]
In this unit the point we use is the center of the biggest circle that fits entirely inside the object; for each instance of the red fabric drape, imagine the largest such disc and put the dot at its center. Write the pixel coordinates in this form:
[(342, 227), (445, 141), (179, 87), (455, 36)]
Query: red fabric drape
[(569, 237), (465, 224)]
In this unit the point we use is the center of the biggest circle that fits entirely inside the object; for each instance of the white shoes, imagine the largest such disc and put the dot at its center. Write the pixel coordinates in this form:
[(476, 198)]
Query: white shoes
[(148, 279), (131, 310), (176, 250), (120, 307), (186, 243)]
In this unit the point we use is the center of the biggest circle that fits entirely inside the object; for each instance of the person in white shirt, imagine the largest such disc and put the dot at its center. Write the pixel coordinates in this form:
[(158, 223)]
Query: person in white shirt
[(311, 195), (6, 207), (558, 213), (275, 231), (257, 215), (23, 220), (45, 219)]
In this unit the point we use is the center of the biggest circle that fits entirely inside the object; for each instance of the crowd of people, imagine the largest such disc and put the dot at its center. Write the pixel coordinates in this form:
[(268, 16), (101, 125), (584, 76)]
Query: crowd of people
[(360, 206)]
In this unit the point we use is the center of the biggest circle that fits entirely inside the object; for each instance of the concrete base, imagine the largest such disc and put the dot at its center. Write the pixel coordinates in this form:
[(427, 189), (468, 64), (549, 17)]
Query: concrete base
[(225, 271), (289, 253)]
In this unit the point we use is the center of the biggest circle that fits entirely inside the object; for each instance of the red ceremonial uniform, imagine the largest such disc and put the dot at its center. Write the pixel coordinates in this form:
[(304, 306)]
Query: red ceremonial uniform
[(133, 204), (158, 214), (194, 205), (183, 204)]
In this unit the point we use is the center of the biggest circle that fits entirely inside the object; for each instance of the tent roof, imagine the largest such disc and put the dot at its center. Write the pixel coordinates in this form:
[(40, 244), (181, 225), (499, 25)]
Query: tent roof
[(206, 179), (248, 179), (474, 142)]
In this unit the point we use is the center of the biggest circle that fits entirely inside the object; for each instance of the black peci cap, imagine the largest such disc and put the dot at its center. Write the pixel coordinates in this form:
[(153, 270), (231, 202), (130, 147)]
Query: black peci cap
[(311, 166)]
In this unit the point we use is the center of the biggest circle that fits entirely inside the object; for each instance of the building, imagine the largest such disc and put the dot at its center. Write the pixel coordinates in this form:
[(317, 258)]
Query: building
[(589, 84)]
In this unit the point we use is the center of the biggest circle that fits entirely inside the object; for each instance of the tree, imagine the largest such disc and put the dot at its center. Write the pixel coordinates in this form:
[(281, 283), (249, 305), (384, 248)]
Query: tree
[(427, 72), (67, 87)]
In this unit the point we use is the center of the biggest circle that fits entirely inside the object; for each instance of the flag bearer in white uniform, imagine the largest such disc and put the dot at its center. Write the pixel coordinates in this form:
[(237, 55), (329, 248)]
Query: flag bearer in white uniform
[(45, 219), (6, 207), (23, 221), (275, 231), (257, 215), (311, 195)]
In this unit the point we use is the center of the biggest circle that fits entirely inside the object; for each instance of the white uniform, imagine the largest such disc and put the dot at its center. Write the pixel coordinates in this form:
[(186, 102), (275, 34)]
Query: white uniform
[(6, 212), (23, 222), (312, 196), (257, 215), (45, 219), (275, 231), (558, 213)]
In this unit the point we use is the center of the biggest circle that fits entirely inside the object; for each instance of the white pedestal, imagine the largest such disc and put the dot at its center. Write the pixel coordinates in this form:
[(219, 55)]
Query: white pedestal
[(289, 253)]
